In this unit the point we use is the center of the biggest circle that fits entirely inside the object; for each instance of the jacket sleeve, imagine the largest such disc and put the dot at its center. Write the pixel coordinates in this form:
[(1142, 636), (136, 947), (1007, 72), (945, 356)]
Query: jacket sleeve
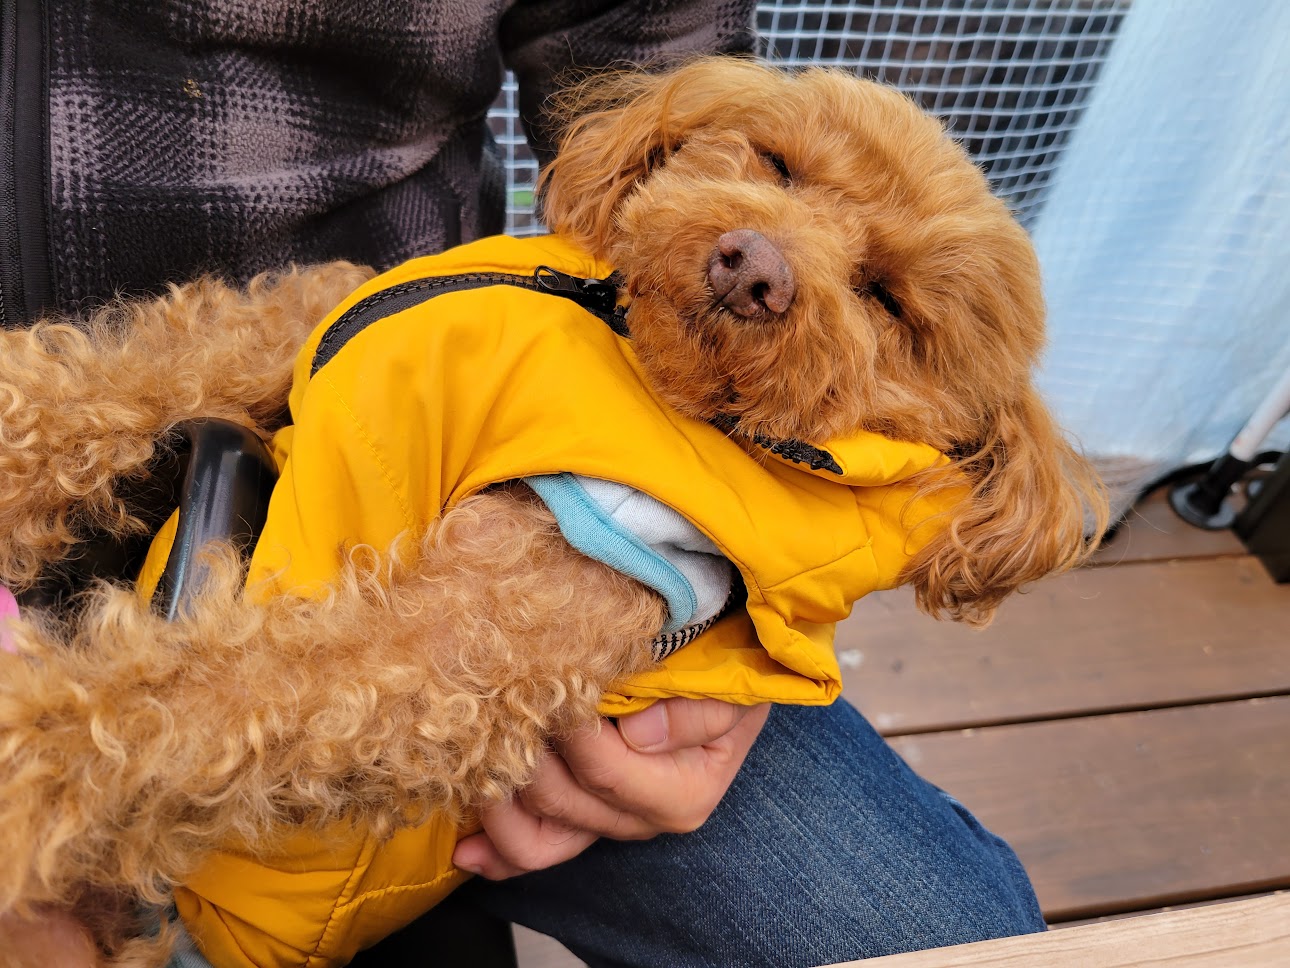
[(540, 42)]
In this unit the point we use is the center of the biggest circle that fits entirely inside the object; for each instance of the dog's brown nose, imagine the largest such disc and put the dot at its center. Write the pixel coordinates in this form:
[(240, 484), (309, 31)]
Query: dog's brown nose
[(749, 275)]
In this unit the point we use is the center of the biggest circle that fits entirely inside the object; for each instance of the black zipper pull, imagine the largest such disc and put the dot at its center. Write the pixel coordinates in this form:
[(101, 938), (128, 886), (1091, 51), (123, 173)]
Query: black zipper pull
[(599, 295)]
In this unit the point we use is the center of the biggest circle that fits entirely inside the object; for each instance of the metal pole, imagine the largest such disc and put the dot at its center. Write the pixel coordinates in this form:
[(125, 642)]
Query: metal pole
[(1202, 502)]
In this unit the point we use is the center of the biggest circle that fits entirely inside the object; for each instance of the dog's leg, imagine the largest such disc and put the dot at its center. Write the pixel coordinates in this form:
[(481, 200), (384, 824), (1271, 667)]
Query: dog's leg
[(84, 405), (426, 681)]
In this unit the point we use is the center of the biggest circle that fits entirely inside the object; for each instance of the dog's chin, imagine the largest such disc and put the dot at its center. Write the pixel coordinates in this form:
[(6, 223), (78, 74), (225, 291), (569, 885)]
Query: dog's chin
[(686, 360), (679, 352), (755, 372)]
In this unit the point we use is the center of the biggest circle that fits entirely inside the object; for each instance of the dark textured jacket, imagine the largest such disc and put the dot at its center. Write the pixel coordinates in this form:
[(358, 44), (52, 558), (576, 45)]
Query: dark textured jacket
[(148, 141)]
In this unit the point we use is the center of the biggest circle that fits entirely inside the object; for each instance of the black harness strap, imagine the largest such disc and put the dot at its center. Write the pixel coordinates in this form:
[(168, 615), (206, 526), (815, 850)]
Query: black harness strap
[(597, 296), (797, 451)]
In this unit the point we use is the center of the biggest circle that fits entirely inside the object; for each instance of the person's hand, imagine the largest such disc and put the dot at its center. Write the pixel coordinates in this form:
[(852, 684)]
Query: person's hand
[(46, 938), (8, 610), (663, 770)]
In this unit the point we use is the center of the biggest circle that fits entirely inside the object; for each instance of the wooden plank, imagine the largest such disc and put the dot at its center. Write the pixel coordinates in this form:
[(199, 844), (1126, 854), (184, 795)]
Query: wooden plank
[(1103, 919), (1095, 640), (1249, 934), (534, 950), (1130, 811), (1151, 936), (1153, 532)]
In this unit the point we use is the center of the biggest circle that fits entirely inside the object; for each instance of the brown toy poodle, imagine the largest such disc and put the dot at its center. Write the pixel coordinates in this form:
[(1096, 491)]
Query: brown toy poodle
[(802, 256)]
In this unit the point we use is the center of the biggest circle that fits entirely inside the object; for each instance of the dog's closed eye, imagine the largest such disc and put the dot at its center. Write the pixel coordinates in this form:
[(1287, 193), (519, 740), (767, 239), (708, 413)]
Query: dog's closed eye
[(659, 155), (778, 164), (876, 290)]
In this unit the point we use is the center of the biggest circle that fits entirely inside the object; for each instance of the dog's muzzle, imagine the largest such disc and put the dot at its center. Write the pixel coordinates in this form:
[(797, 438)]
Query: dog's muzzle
[(749, 275)]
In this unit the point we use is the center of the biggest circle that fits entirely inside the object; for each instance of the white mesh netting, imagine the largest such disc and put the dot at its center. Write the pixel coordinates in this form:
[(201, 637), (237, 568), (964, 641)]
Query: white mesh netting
[(1010, 77), (1144, 145)]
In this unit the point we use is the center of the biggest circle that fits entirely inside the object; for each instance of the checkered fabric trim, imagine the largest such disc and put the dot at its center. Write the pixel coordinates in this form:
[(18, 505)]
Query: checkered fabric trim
[(665, 645)]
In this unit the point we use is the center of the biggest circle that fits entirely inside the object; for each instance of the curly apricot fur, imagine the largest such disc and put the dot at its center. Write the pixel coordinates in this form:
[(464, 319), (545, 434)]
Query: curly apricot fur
[(83, 406), (117, 770), (451, 689), (657, 166)]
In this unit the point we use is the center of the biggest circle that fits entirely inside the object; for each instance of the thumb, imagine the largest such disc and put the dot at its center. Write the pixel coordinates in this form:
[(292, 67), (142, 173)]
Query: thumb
[(674, 724)]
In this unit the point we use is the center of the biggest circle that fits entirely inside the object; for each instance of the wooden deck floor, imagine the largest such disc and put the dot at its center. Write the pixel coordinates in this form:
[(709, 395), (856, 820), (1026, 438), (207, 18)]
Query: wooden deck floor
[(1126, 727)]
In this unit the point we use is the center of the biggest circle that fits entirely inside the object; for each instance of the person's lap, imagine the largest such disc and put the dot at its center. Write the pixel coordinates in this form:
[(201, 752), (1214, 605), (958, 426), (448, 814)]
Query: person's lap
[(826, 848)]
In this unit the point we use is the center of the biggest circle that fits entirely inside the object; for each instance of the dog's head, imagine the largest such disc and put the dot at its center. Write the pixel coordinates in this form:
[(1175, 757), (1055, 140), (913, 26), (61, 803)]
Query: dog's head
[(810, 254)]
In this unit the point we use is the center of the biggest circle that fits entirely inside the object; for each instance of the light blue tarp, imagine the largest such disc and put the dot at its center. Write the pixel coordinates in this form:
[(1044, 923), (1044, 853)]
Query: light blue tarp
[(1166, 239)]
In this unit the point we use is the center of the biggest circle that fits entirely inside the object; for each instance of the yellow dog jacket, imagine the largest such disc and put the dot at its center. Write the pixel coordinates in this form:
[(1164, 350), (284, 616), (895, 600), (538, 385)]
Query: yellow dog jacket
[(457, 371)]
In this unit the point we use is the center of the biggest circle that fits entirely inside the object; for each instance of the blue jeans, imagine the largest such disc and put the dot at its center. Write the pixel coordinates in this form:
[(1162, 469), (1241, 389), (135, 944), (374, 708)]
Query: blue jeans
[(826, 848)]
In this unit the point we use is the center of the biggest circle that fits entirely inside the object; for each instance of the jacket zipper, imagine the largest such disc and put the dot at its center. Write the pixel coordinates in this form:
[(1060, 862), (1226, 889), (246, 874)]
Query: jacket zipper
[(24, 262), (597, 296)]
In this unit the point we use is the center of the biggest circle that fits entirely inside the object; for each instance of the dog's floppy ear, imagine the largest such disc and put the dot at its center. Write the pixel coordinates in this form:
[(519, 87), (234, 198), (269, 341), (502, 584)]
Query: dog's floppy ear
[(1035, 507), (619, 126), (619, 131)]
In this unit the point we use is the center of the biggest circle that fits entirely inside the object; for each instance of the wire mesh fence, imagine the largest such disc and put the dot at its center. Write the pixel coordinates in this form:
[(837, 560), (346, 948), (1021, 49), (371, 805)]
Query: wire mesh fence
[(1010, 78)]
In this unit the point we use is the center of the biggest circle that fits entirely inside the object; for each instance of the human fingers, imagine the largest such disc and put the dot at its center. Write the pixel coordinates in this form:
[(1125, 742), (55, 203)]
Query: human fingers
[(556, 794), (675, 724), (515, 841), (671, 791)]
